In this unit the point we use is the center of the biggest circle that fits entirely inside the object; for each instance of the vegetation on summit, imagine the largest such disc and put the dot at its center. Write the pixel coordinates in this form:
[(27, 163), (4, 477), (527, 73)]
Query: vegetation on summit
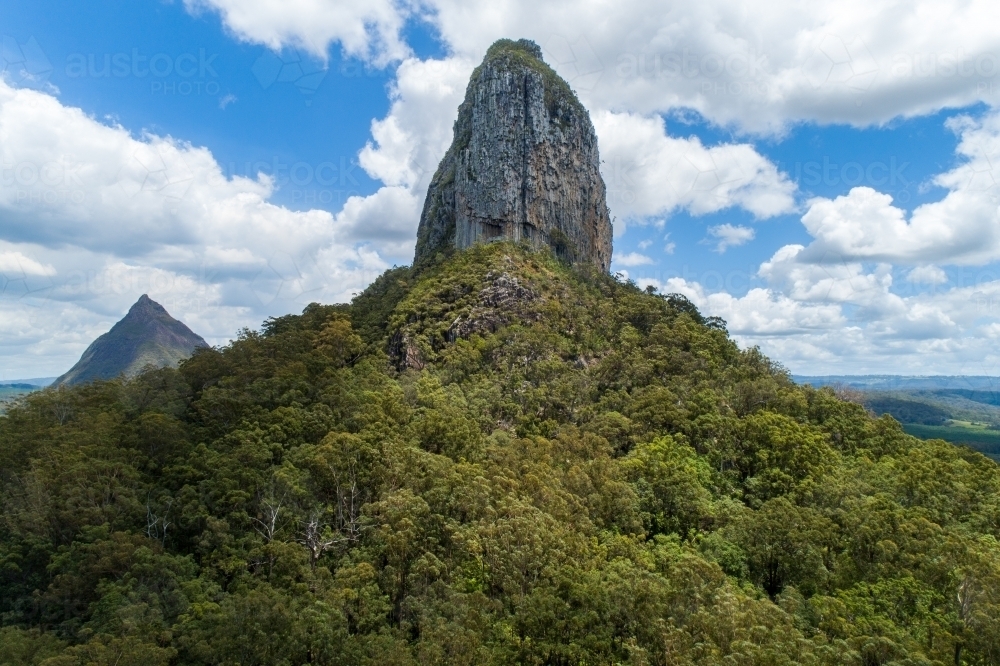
[(498, 459)]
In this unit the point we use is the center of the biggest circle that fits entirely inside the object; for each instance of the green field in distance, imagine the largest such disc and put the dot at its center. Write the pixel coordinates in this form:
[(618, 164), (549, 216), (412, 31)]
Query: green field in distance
[(976, 436)]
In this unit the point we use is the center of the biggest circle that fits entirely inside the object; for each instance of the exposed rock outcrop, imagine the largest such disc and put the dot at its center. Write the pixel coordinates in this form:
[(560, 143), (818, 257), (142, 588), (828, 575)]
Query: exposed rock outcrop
[(502, 300), (523, 165)]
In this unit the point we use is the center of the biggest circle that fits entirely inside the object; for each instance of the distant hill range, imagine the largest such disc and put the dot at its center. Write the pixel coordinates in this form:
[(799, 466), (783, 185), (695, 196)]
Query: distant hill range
[(903, 382), (35, 382), (147, 336), (964, 409), (930, 400)]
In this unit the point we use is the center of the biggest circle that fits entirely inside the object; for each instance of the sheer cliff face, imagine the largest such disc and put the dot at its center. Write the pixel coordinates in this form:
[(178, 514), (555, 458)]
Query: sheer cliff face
[(523, 165)]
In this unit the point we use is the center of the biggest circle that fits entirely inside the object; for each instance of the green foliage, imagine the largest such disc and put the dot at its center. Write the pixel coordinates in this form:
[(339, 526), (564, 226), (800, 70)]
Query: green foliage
[(985, 441), (497, 459), (20, 647), (372, 308), (958, 404), (907, 411)]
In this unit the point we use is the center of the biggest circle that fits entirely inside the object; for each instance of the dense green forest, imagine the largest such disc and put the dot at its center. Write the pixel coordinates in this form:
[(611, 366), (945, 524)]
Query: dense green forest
[(927, 407), (907, 411), (499, 460), (984, 440)]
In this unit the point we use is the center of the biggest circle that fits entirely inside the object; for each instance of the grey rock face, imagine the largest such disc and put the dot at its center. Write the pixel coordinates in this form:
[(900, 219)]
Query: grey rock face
[(523, 165), (502, 301)]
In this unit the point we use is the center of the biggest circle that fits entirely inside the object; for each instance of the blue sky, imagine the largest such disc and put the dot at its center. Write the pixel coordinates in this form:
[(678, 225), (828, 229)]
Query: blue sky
[(820, 176), (267, 122), (825, 161)]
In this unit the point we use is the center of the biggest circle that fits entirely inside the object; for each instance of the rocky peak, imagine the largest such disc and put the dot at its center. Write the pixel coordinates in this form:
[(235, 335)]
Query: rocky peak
[(145, 337), (146, 308), (523, 165)]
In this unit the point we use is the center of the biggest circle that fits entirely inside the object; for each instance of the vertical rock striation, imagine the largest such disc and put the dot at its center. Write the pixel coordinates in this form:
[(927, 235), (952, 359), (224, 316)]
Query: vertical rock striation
[(523, 165)]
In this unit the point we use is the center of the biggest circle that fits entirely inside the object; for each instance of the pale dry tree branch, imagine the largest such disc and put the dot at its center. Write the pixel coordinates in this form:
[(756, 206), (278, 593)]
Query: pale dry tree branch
[(319, 536), (317, 539), (268, 526), (156, 526)]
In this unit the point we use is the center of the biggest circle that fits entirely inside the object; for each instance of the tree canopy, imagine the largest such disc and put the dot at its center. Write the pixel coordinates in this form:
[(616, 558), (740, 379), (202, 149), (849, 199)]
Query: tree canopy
[(497, 459)]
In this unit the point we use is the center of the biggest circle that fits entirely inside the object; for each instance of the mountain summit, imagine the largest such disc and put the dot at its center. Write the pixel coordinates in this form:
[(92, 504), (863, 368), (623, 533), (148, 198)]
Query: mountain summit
[(146, 336), (523, 165)]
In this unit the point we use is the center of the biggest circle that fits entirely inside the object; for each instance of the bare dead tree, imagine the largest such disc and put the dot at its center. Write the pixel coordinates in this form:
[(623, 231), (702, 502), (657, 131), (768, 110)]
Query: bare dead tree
[(849, 393), (156, 526), (267, 526), (348, 514), (318, 538), (966, 597), (344, 526), (61, 411)]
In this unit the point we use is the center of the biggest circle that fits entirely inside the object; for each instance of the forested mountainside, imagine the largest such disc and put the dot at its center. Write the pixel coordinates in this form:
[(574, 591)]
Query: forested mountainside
[(499, 459)]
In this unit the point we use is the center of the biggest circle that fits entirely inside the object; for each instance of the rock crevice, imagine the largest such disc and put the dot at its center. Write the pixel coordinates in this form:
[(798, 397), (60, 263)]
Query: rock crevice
[(523, 165)]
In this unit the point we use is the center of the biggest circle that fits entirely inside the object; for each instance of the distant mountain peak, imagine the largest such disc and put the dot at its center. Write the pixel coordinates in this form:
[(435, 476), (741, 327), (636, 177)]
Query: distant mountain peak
[(146, 336)]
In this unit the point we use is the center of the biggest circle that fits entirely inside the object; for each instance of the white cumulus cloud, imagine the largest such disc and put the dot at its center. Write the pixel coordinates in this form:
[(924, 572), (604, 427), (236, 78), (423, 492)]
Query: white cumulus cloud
[(369, 29), (729, 235), (929, 274), (15, 264), (758, 66), (649, 172), (962, 228), (126, 213), (125, 216), (632, 259)]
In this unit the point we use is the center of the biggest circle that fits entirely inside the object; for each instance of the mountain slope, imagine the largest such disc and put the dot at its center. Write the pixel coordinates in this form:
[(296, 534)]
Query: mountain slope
[(146, 336), (502, 455), (494, 459)]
